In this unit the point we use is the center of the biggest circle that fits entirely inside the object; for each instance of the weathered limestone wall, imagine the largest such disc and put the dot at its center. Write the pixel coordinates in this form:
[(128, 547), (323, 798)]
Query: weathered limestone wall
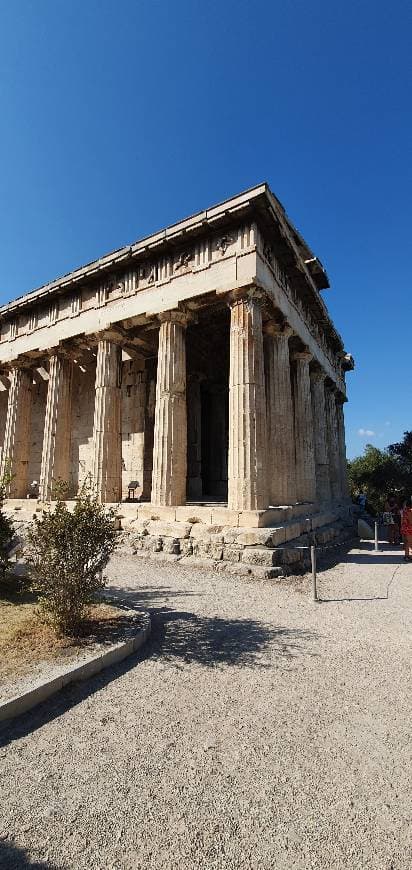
[(323, 491), (3, 416), (82, 423), (38, 411), (279, 412), (134, 419), (335, 472), (304, 432)]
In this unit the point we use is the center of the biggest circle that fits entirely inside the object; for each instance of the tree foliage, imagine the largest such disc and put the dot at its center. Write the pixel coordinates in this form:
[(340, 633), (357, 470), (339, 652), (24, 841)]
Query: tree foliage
[(380, 472), (68, 552), (402, 452)]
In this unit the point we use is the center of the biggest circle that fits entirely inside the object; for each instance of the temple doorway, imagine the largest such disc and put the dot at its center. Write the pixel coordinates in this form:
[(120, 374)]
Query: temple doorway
[(208, 406)]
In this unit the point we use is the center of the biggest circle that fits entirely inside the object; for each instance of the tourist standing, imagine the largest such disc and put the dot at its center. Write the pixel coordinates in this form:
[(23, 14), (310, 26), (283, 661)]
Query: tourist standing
[(391, 519), (406, 529)]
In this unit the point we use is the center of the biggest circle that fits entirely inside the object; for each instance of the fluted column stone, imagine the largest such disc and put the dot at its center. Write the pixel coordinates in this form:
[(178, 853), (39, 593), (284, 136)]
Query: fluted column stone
[(55, 463), (320, 434), (335, 474), (170, 430), (342, 447), (16, 449), (107, 439), (279, 414), (247, 469), (304, 441)]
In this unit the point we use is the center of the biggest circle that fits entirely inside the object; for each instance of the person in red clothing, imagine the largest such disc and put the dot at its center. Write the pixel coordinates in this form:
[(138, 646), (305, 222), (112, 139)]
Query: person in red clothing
[(406, 529)]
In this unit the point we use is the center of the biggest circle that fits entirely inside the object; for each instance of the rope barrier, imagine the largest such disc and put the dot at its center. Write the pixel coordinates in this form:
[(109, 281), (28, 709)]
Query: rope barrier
[(313, 558)]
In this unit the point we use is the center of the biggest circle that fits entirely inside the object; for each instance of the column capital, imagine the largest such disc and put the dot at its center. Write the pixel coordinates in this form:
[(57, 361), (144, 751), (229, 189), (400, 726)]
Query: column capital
[(246, 294), (278, 330), (302, 356), (60, 350), (175, 315), (22, 365)]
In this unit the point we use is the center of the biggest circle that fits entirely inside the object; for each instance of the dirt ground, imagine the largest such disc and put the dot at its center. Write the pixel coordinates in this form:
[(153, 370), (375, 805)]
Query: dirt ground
[(26, 642), (256, 729)]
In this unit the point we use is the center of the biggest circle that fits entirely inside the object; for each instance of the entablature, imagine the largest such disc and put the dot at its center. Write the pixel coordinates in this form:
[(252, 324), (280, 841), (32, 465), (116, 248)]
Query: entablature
[(244, 241)]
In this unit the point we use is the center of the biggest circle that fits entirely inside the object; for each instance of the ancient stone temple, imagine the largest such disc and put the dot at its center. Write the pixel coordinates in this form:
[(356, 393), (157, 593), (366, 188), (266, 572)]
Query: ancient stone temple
[(199, 365)]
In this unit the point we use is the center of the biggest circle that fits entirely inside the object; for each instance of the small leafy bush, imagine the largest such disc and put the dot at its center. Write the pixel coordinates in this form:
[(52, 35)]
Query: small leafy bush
[(68, 552)]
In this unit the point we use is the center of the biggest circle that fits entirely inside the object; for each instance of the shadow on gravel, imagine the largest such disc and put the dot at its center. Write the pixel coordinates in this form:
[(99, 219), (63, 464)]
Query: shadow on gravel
[(12, 858), (213, 642), (181, 638)]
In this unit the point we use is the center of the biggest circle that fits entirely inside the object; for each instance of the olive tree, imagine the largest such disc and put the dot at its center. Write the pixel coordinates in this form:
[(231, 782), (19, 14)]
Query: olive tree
[(68, 552)]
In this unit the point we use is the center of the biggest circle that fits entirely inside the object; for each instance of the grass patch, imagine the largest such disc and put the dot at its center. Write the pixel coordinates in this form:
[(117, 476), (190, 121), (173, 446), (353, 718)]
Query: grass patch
[(25, 641)]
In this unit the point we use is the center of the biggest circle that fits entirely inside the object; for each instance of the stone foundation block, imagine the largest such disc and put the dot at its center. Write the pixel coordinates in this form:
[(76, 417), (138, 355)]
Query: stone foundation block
[(204, 532), (172, 546), (148, 542), (259, 556), (197, 562), (293, 530), (262, 519), (186, 547), (230, 534), (268, 537), (232, 554), (194, 514), (156, 512), (286, 556), (224, 517), (202, 549), (169, 530)]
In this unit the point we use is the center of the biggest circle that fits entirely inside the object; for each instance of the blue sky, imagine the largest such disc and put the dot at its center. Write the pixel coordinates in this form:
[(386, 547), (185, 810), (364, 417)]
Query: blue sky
[(118, 118)]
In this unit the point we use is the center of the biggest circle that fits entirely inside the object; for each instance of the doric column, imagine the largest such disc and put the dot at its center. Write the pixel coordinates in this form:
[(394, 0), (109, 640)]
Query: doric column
[(247, 485), (16, 450), (320, 435), (342, 446), (333, 445), (304, 445), (279, 415), (170, 431), (107, 439), (55, 462)]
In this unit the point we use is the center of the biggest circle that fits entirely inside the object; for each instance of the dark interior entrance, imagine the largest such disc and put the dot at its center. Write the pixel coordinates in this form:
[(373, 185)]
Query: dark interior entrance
[(208, 406)]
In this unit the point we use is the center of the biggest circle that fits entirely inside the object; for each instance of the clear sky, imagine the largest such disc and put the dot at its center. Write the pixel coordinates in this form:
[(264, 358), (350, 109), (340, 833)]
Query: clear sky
[(119, 117)]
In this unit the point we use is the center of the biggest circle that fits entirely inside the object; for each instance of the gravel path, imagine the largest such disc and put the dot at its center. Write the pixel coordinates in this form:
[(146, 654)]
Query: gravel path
[(256, 730)]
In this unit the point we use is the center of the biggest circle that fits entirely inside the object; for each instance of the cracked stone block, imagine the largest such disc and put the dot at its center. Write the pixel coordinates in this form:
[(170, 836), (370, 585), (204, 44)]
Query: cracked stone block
[(259, 556), (232, 554), (169, 530)]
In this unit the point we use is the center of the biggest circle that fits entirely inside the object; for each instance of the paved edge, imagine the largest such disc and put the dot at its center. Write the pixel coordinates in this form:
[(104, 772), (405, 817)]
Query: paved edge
[(22, 703)]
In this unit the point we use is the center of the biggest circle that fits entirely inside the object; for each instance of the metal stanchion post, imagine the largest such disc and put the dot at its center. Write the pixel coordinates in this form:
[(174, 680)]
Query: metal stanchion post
[(376, 537), (313, 561)]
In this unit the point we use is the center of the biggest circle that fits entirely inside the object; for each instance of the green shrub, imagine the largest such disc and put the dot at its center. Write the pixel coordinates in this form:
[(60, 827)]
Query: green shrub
[(68, 552)]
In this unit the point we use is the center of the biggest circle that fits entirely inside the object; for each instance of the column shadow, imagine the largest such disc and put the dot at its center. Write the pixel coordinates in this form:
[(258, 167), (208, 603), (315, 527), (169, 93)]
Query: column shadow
[(179, 637), (14, 858)]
